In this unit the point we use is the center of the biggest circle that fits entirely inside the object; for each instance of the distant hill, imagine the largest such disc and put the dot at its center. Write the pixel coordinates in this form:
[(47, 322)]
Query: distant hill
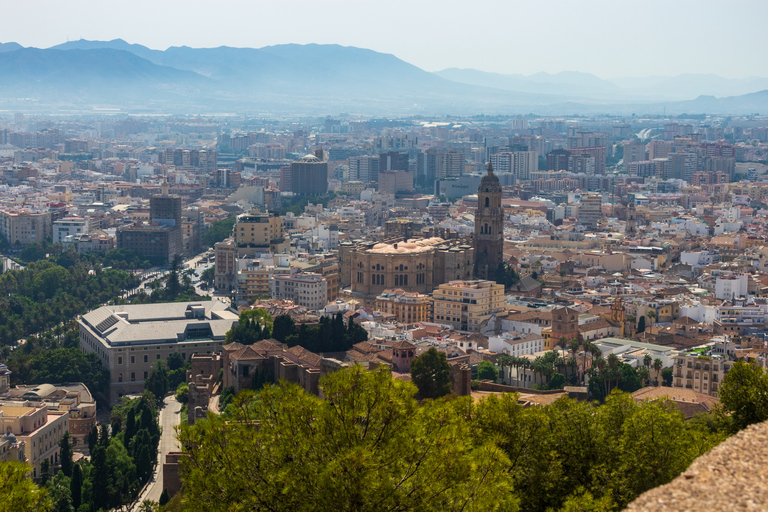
[(752, 103), (566, 83), (323, 79), (10, 47), (304, 78), (687, 86)]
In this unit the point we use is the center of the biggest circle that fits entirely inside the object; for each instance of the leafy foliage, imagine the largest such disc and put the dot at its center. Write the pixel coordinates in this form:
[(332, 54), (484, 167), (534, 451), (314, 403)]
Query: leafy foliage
[(218, 231), (45, 294), (744, 394), (331, 335), (432, 374), (598, 457), (58, 365), (367, 446), (19, 493), (487, 371), (157, 382)]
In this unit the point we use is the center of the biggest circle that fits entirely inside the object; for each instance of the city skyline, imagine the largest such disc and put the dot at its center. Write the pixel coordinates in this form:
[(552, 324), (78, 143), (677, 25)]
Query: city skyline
[(594, 37)]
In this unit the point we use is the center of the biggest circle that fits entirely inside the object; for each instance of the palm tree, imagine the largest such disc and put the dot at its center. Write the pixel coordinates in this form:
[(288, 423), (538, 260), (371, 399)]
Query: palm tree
[(644, 374), (651, 315), (647, 361), (572, 365), (503, 360), (562, 343), (600, 363), (657, 365)]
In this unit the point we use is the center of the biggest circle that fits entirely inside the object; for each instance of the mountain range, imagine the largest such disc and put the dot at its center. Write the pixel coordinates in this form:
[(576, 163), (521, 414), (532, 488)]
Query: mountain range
[(326, 79)]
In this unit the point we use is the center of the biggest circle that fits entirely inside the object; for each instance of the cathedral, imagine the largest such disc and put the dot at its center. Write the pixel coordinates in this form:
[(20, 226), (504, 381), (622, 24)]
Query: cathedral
[(489, 227)]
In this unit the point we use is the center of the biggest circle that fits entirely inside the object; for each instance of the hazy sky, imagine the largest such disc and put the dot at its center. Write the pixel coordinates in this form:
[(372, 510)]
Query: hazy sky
[(613, 38)]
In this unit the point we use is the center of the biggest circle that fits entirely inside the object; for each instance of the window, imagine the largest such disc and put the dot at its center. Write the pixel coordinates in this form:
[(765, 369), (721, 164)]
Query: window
[(145, 375), (133, 376), (133, 359), (158, 356), (119, 360), (120, 377), (146, 358)]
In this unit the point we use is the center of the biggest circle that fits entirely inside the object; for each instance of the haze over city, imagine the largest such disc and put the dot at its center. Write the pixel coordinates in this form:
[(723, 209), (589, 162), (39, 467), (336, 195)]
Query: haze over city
[(606, 38), (424, 256)]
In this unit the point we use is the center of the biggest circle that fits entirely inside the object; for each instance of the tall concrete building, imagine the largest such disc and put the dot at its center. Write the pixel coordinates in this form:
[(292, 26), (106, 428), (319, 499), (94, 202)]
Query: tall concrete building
[(162, 237), (364, 168), (590, 210), (519, 163), (393, 161), (309, 176), (489, 227)]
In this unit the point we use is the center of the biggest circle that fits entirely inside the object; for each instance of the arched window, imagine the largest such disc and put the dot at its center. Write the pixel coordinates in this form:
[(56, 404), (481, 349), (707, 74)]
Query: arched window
[(487, 202)]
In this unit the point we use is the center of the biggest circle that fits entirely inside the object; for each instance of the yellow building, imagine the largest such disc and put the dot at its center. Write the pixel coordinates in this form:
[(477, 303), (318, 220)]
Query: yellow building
[(467, 305), (407, 307), (39, 429), (259, 231)]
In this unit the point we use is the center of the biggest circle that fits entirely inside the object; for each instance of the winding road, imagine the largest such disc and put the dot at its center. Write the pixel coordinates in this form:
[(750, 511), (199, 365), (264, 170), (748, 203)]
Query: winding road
[(170, 417)]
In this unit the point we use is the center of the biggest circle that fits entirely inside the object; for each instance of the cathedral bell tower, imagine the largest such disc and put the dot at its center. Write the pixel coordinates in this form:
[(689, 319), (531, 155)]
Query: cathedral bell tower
[(489, 227)]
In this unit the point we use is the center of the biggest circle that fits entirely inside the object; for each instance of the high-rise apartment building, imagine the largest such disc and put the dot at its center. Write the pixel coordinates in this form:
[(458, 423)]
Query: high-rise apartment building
[(590, 210), (364, 168), (309, 176)]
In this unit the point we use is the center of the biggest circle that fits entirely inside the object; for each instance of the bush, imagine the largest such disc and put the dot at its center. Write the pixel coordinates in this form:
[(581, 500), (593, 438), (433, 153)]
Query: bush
[(475, 384)]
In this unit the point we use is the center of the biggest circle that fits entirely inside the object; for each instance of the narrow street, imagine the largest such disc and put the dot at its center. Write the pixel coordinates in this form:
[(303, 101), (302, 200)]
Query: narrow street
[(170, 417)]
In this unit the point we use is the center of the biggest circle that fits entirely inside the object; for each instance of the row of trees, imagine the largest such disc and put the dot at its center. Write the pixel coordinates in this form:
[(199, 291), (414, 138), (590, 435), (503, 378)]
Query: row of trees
[(123, 456), (331, 335), (175, 287), (218, 231), (370, 445), (44, 295), (46, 365)]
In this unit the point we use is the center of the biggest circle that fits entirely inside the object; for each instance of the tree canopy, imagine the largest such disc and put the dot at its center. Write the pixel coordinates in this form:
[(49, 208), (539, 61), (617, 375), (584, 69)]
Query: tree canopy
[(367, 446), (431, 374)]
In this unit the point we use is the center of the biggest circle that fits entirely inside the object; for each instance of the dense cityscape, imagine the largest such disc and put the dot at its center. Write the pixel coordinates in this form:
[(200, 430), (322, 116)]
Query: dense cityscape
[(164, 269), (413, 257)]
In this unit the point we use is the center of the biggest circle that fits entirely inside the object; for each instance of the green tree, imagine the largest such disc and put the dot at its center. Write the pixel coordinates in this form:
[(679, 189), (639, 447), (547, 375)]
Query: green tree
[(19, 493), (368, 446), (65, 454), (431, 374), (641, 325), (93, 438), (486, 370), (283, 327), (158, 382), (76, 486), (218, 231), (744, 394), (182, 393), (164, 498), (45, 471)]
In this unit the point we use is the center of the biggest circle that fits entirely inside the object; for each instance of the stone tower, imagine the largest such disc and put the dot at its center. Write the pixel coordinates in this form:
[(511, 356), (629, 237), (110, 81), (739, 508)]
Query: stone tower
[(489, 227)]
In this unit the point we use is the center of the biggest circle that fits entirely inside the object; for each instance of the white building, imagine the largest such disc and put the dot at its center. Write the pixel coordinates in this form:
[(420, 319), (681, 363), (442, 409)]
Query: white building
[(731, 287), (67, 226), (304, 289), (700, 258), (516, 344)]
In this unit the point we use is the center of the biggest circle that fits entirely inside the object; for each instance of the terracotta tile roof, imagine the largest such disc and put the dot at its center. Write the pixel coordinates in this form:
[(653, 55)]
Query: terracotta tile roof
[(305, 356)]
